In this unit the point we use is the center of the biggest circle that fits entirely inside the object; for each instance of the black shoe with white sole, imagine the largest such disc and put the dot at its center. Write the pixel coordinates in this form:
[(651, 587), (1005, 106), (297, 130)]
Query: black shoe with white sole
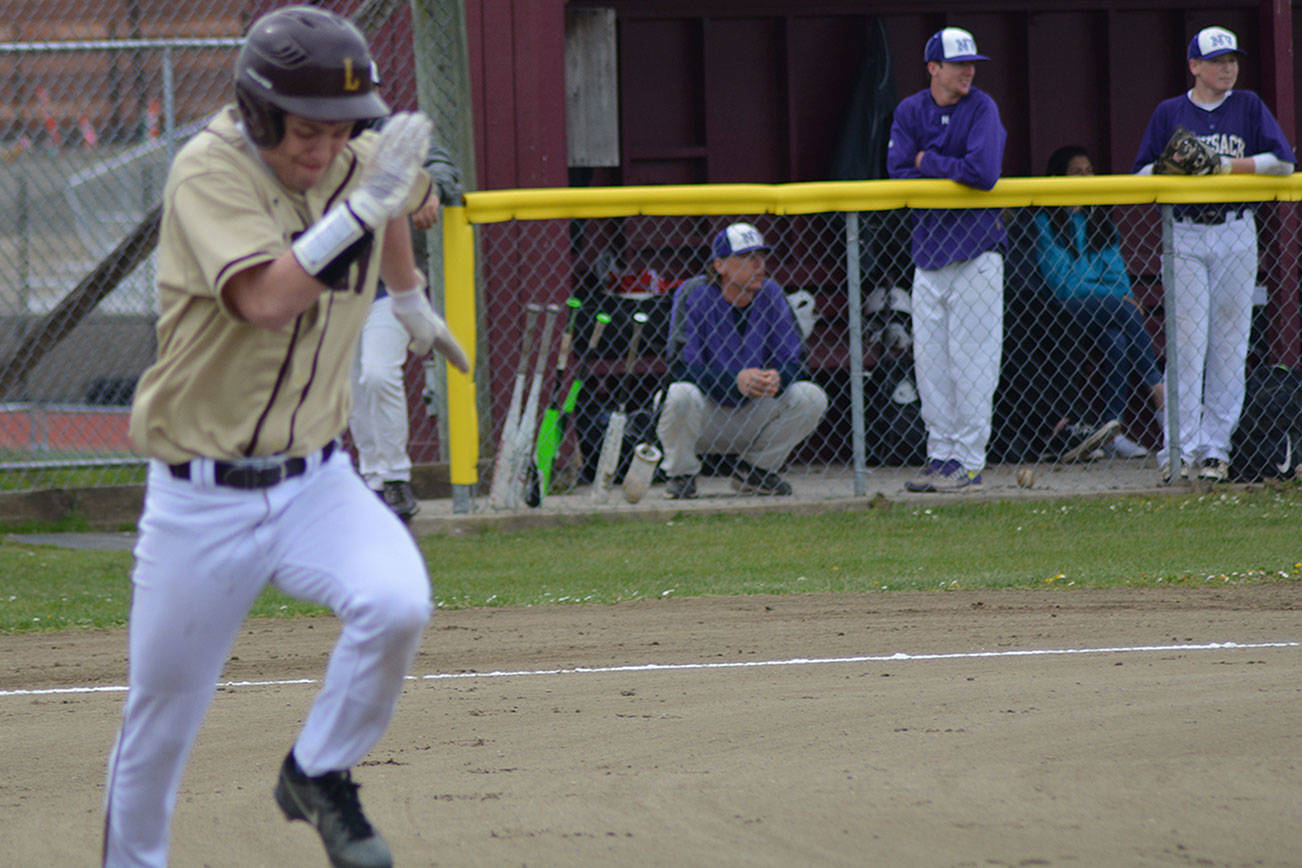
[(329, 802), (1214, 470)]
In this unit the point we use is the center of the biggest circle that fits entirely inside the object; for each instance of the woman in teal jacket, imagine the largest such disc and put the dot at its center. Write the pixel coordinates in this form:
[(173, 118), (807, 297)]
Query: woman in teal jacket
[(1079, 254)]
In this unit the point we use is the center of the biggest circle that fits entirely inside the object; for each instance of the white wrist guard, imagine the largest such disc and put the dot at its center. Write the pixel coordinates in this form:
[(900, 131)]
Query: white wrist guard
[(331, 244)]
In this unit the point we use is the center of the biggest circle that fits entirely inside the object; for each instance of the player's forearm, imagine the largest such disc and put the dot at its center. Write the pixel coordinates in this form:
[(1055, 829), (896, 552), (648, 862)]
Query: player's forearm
[(397, 259), (271, 295), (1260, 164)]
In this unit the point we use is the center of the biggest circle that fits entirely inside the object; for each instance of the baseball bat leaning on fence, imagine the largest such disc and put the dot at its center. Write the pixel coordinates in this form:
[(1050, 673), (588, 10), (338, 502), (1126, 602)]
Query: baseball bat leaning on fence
[(499, 493), (539, 471), (576, 387), (613, 441), (522, 450)]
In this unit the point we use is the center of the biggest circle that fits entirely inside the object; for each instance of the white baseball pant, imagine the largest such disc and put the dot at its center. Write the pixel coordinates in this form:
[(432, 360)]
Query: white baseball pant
[(379, 419), (761, 431), (1214, 272), (204, 555), (958, 332)]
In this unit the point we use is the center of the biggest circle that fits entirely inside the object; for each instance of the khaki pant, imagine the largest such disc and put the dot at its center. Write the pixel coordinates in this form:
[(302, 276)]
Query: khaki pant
[(762, 431)]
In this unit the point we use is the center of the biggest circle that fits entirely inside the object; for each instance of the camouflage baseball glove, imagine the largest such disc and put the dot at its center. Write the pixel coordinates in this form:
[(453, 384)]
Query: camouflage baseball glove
[(1186, 154)]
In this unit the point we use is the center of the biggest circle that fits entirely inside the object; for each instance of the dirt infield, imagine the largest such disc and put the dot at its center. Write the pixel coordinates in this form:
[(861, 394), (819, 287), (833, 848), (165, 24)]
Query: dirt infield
[(888, 729)]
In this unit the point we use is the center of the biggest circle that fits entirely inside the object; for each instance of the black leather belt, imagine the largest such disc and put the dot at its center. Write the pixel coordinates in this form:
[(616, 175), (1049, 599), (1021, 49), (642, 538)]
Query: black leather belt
[(1211, 217), (254, 473)]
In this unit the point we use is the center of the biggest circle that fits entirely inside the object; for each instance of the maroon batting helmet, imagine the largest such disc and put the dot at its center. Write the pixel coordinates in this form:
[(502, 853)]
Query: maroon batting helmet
[(307, 62)]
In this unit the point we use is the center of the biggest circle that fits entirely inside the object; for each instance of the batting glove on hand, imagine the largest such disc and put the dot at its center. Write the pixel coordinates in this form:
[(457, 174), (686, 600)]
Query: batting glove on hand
[(392, 170), (427, 329)]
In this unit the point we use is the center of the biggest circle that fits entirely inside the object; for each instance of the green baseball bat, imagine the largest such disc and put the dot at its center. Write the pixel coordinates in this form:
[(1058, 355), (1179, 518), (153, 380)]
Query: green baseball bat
[(552, 431), (549, 440)]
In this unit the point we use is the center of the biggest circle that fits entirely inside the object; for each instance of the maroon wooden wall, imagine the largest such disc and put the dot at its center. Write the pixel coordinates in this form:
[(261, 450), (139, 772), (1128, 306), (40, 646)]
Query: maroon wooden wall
[(755, 90)]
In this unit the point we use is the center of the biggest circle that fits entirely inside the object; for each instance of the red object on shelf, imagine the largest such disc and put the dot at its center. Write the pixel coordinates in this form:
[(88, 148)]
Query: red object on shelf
[(648, 280)]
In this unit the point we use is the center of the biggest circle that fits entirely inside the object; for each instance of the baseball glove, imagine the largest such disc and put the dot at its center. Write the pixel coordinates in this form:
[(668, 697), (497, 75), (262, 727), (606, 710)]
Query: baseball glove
[(1186, 154)]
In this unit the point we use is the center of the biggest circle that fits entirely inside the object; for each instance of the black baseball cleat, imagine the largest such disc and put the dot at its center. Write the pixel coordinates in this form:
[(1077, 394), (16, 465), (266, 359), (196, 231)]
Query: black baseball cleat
[(750, 479), (329, 802), (397, 495)]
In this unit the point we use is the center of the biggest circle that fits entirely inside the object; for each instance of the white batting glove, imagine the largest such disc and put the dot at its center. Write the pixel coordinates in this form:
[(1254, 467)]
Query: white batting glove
[(427, 329), (388, 176)]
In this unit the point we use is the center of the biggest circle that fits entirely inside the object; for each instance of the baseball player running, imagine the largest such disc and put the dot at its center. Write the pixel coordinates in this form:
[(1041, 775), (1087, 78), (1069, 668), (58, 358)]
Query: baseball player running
[(1214, 258), (952, 130), (278, 219)]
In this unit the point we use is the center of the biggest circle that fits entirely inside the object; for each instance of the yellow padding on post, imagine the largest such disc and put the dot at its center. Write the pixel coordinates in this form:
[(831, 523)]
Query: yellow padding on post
[(459, 310)]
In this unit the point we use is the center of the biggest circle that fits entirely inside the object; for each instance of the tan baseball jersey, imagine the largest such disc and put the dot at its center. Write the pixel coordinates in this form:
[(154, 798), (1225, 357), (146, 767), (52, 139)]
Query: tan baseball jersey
[(222, 388)]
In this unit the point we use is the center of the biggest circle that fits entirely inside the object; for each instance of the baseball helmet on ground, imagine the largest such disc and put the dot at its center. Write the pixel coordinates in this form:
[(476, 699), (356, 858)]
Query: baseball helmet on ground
[(308, 62)]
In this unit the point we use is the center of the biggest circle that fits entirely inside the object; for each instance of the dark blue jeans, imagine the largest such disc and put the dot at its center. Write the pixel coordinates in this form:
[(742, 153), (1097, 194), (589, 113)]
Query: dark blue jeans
[(1117, 327)]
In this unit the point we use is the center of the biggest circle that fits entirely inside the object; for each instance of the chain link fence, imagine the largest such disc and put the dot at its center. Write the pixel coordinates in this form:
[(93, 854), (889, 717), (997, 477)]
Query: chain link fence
[(1076, 343), (101, 95)]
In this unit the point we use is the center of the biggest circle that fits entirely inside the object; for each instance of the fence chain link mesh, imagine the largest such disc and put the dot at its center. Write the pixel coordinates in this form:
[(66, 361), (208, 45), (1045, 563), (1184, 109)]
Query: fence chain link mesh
[(100, 97), (1080, 358)]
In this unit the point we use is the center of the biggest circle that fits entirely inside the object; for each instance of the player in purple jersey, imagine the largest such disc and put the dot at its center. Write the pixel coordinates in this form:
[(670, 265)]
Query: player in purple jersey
[(1214, 261), (738, 363), (952, 130)]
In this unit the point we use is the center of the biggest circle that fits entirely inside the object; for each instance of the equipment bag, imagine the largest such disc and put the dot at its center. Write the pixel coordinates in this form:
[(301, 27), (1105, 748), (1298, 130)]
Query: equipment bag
[(1266, 443)]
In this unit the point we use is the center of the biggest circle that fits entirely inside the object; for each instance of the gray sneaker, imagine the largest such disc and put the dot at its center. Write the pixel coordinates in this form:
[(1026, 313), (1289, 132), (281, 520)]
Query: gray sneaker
[(956, 477), (329, 802), (931, 471)]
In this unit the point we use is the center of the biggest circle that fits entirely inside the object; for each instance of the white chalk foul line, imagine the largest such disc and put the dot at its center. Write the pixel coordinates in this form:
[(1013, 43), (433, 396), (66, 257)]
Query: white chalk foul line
[(876, 658), (740, 664)]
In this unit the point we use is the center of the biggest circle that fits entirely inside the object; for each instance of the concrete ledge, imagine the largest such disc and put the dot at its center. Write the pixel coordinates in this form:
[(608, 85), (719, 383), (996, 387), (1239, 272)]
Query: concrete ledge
[(118, 507), (111, 508), (108, 508)]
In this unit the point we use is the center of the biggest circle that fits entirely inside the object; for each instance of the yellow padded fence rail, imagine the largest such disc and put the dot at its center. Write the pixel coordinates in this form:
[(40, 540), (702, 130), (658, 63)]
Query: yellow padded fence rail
[(495, 206)]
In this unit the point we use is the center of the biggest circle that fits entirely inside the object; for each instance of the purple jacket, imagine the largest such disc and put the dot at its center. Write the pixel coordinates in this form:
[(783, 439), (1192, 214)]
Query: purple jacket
[(719, 340), (965, 143)]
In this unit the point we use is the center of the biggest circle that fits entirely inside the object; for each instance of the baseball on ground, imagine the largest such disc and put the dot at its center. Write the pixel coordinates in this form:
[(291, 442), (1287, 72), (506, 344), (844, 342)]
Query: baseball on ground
[(1026, 477)]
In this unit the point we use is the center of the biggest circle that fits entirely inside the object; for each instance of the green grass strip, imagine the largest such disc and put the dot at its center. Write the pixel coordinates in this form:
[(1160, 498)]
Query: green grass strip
[(1235, 536)]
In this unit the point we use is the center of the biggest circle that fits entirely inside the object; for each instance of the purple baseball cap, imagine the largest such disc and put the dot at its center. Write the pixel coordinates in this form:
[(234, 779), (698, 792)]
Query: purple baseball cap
[(1213, 42), (951, 45), (738, 238)]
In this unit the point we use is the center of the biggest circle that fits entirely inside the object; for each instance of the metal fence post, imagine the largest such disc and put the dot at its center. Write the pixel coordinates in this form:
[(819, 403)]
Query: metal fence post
[(855, 315), (169, 104), (1174, 448)]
